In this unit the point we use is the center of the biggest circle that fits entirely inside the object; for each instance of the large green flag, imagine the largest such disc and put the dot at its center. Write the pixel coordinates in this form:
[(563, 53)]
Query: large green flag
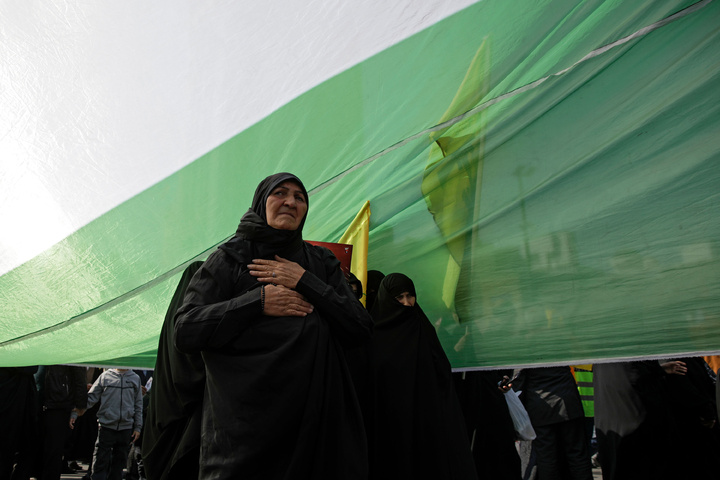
[(546, 171)]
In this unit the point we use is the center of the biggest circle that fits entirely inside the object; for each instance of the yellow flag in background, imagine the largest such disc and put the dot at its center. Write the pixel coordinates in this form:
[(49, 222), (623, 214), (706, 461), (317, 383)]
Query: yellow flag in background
[(357, 235), (453, 177)]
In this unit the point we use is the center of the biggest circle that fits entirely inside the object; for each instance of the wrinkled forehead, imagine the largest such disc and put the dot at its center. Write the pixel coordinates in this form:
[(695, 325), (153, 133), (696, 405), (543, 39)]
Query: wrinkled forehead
[(291, 186)]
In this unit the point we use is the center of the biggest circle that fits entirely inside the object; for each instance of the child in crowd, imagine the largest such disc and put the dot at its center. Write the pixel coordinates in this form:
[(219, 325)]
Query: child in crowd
[(120, 417)]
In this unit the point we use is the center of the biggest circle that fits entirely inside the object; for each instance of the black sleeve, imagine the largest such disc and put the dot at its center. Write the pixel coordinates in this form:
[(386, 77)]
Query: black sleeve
[(650, 383), (212, 313), (691, 394), (347, 318), (79, 387), (520, 380)]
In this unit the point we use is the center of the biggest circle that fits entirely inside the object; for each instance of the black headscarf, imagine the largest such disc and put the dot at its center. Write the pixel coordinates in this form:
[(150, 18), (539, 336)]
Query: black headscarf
[(374, 277), (387, 308), (269, 241)]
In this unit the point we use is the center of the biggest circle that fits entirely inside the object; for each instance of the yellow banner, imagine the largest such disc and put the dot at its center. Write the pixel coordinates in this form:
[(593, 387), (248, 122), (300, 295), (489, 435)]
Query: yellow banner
[(357, 236)]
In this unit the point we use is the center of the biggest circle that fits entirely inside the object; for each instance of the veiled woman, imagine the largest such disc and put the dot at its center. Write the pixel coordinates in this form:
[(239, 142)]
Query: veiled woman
[(417, 428), (271, 316)]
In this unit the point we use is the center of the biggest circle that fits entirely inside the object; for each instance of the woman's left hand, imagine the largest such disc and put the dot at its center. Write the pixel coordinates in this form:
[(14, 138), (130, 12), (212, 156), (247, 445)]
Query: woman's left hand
[(279, 271)]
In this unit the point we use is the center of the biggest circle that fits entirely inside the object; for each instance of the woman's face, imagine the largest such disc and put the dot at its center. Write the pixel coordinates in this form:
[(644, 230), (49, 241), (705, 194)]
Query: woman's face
[(406, 298), (286, 206)]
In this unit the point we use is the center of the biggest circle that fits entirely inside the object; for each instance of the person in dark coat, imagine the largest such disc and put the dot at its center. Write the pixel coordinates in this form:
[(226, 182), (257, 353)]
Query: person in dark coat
[(488, 423), (61, 388), (633, 420), (552, 401), (418, 430), (271, 316), (86, 429), (18, 409), (691, 398)]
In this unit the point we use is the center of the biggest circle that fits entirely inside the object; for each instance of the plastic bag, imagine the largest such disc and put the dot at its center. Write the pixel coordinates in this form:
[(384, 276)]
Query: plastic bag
[(520, 417)]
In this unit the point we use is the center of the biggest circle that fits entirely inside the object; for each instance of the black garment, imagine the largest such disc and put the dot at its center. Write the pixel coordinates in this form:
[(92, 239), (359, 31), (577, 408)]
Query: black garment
[(135, 465), (632, 420), (562, 450), (717, 392), (488, 424), (55, 432), (146, 404), (279, 402), (354, 281), (171, 434), (86, 427), (111, 453), (692, 400), (551, 398), (144, 376), (61, 388), (374, 277), (550, 395), (418, 431), (18, 410)]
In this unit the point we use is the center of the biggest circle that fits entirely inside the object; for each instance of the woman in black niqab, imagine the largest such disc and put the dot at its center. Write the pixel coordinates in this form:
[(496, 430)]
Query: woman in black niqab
[(417, 427), (271, 316)]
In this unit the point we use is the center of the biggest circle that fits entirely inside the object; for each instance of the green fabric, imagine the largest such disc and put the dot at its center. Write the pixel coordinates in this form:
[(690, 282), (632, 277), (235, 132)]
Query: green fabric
[(573, 220)]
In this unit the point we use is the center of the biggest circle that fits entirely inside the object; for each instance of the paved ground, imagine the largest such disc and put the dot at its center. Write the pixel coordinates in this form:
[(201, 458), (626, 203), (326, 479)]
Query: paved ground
[(597, 474), (77, 475)]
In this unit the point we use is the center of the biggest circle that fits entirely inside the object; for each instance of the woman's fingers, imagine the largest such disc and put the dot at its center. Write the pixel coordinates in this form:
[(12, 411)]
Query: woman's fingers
[(262, 267), (675, 367), (279, 272), (283, 302)]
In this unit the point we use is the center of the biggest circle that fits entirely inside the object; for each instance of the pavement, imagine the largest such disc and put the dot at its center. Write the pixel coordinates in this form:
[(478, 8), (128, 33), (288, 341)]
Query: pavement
[(77, 475), (597, 473)]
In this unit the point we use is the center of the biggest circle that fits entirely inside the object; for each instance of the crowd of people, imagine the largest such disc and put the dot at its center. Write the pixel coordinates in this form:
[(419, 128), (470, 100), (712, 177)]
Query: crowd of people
[(269, 366), (59, 417)]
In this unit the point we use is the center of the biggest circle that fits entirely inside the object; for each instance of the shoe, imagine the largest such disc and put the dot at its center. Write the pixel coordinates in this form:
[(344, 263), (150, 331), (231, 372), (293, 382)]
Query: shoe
[(75, 466)]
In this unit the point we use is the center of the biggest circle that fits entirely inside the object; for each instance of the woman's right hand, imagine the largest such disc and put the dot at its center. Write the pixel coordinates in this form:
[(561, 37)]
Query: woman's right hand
[(283, 302)]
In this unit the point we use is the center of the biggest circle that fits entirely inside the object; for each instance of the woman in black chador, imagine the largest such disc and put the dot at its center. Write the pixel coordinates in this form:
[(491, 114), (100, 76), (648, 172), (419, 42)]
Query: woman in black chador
[(171, 431), (271, 316), (416, 425)]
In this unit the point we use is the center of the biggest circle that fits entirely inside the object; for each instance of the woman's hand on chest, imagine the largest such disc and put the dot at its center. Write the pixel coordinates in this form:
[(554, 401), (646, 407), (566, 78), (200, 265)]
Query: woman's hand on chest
[(277, 272), (280, 301)]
